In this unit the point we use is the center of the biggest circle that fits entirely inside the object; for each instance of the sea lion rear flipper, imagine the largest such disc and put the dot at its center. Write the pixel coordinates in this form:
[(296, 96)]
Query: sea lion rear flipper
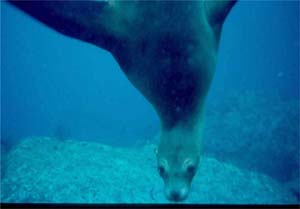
[(84, 20)]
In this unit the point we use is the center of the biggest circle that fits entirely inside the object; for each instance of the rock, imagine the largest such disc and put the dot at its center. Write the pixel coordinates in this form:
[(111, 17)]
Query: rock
[(48, 170)]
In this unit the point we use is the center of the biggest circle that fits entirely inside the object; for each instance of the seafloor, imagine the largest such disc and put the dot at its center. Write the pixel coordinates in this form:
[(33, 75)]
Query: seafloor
[(50, 170)]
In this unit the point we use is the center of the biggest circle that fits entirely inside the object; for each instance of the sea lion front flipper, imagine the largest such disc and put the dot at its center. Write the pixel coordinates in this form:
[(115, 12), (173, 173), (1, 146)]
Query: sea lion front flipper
[(84, 20), (217, 11)]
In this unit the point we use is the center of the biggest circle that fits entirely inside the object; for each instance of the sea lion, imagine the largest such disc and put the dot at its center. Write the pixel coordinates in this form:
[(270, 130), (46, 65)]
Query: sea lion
[(168, 51)]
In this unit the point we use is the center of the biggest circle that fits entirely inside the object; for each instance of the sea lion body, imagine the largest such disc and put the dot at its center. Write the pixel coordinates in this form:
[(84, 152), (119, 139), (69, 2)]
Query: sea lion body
[(168, 50)]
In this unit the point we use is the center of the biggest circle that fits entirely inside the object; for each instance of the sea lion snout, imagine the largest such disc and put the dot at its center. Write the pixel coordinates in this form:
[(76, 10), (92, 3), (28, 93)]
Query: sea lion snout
[(177, 194)]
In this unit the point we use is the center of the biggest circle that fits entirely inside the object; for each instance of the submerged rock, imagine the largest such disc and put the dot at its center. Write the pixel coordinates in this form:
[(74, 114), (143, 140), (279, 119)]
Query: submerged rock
[(49, 170), (253, 133)]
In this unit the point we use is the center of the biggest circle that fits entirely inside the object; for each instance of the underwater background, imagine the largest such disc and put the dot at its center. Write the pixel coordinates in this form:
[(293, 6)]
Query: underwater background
[(64, 101)]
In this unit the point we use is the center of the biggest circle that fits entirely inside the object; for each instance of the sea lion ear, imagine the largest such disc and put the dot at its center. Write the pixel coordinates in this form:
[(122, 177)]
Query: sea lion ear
[(155, 150)]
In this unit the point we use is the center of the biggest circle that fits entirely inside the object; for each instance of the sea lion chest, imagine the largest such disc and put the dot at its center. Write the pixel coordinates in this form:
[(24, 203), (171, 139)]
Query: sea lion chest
[(171, 60)]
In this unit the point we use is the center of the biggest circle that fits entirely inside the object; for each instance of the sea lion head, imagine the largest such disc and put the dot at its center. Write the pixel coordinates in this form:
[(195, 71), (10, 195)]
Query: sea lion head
[(177, 164)]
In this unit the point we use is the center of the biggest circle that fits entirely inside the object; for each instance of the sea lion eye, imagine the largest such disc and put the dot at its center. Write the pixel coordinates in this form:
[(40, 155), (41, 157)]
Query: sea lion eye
[(161, 170), (191, 169)]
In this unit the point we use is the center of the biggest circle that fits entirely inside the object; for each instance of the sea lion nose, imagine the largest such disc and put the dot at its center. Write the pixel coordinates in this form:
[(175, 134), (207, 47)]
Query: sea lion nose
[(177, 195)]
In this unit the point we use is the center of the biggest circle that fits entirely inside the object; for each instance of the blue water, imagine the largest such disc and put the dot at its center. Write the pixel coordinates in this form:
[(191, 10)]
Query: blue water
[(53, 85)]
